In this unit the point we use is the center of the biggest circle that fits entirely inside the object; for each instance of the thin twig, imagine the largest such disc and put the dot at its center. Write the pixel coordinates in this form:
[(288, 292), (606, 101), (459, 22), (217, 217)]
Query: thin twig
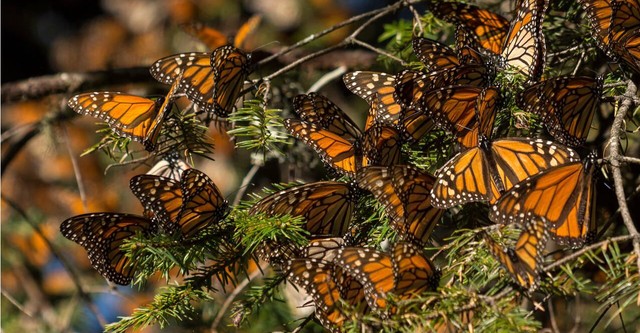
[(76, 168), (629, 159), (303, 323), (379, 51), (614, 150), (334, 74), (239, 288), (583, 250), (38, 87), (15, 303)]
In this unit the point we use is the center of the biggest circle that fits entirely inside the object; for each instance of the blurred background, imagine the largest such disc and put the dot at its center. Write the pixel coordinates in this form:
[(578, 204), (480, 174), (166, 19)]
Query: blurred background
[(47, 37)]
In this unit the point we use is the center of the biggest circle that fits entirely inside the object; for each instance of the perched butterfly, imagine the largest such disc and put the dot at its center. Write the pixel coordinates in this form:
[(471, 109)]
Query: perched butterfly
[(436, 56), (327, 206), (616, 28), (102, 234), (525, 46), (188, 206), (329, 287), (131, 116), (485, 172), (212, 81), (465, 110), (337, 139), (414, 272), (322, 248), (561, 196), (378, 90), (213, 38), (373, 269), (405, 273), (524, 262), (520, 43), (566, 104), (488, 28), (405, 192)]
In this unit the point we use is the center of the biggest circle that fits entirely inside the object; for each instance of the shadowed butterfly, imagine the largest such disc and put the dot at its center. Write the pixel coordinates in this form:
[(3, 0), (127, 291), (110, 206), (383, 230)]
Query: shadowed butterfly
[(405, 193), (102, 234), (566, 104), (524, 261)]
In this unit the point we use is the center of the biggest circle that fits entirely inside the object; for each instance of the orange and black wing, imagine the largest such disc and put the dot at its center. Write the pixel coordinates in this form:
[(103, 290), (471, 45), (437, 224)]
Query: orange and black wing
[(566, 104), (378, 89), (405, 193), (524, 262), (561, 196), (414, 272), (321, 112), (161, 196), (231, 66), (339, 152), (434, 55), (102, 234), (382, 145), (373, 269), (202, 203), (326, 206), (194, 75), (210, 37), (462, 109), (131, 116)]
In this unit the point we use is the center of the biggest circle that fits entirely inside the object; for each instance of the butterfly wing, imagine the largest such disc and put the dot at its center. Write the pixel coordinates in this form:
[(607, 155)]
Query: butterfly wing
[(197, 80), (382, 145), (231, 66), (405, 193), (566, 104), (326, 206), (102, 234), (490, 29), (414, 272), (202, 203), (338, 152), (525, 47), (378, 89), (561, 196), (162, 196), (373, 269), (434, 55), (524, 262), (210, 37)]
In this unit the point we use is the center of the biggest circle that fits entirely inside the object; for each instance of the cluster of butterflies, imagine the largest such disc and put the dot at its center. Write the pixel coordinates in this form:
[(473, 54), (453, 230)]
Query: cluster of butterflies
[(212, 81), (541, 186), (182, 205)]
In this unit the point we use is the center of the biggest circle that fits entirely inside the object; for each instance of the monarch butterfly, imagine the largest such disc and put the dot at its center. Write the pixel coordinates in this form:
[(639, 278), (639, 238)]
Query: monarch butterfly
[(561, 196), (490, 29), (328, 285), (326, 206), (520, 43), (485, 172), (131, 116), (465, 110), (524, 47), (523, 262), (102, 234), (406, 272), (373, 269), (212, 81), (436, 56), (338, 141), (213, 38), (378, 90), (405, 192), (616, 28), (414, 272), (567, 105), (322, 248), (187, 206)]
